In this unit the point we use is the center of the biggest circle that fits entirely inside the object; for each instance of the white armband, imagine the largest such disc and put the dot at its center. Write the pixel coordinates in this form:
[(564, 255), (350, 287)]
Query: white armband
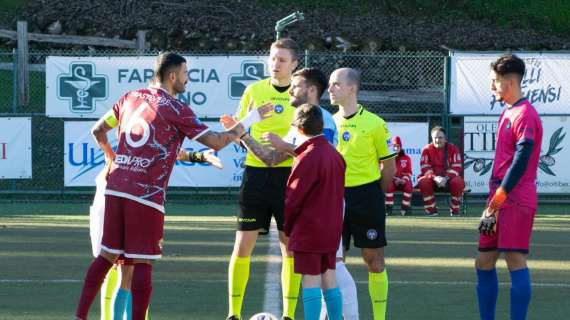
[(251, 118)]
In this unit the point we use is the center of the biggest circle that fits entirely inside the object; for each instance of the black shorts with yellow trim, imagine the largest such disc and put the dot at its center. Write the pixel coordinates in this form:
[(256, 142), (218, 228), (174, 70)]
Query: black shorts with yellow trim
[(262, 196), (365, 216)]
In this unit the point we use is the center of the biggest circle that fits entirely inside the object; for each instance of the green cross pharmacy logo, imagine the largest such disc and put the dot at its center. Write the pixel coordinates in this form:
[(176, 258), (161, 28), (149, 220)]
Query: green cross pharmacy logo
[(251, 71), (82, 87)]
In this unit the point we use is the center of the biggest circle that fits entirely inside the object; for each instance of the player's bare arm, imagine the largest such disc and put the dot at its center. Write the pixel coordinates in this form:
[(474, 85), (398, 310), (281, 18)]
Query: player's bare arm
[(255, 115), (388, 172), (218, 140), (278, 143), (271, 157), (99, 132)]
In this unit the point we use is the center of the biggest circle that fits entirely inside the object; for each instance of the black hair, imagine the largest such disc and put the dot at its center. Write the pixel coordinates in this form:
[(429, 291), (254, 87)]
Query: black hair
[(509, 64), (313, 77), (165, 63)]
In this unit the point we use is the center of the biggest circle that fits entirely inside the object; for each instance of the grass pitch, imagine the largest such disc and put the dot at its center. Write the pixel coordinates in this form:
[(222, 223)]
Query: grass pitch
[(46, 249)]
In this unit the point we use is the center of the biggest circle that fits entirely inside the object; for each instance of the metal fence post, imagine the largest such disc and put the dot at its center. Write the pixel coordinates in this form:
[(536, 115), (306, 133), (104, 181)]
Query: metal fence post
[(141, 42), (306, 58), (23, 57), (14, 81), (446, 93)]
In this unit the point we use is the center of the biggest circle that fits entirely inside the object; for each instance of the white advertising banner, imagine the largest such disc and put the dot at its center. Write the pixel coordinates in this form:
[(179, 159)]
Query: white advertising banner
[(414, 137), (86, 87), (479, 152), (83, 160), (546, 83), (15, 148)]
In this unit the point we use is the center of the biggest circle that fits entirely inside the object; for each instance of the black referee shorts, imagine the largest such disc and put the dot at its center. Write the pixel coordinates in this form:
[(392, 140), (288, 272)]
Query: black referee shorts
[(262, 195), (365, 216)]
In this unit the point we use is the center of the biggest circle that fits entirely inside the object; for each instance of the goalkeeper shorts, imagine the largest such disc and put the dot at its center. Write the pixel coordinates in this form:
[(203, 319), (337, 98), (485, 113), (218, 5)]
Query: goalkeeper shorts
[(514, 228)]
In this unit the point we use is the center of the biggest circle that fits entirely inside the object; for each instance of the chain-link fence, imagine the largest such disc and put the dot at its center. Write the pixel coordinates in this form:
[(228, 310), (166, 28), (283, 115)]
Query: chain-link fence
[(394, 84), (7, 64), (398, 86)]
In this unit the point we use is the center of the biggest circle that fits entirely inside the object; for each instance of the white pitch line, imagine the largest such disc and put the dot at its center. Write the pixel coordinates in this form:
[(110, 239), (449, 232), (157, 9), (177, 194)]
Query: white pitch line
[(467, 283), (360, 282), (272, 287)]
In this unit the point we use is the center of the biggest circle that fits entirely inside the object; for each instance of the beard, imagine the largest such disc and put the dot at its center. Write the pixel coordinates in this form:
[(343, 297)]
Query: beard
[(179, 87), (297, 101)]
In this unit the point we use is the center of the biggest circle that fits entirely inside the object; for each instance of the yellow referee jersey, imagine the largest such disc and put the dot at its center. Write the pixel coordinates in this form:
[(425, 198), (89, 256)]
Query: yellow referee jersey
[(363, 139), (279, 123)]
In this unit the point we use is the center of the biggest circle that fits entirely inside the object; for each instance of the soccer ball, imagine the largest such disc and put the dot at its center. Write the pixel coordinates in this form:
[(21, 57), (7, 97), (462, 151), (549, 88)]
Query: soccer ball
[(263, 316)]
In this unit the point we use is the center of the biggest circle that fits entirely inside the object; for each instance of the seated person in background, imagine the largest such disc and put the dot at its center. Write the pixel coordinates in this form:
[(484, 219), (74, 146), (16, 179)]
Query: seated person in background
[(402, 180), (441, 170)]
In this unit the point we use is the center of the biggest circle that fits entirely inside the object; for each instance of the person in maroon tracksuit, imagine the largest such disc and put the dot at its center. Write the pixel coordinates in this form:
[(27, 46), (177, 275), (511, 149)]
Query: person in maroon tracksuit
[(314, 213), (441, 170), (402, 180)]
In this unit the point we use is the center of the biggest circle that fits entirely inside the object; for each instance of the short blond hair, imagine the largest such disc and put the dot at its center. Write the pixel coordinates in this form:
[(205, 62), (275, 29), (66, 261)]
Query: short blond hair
[(289, 44)]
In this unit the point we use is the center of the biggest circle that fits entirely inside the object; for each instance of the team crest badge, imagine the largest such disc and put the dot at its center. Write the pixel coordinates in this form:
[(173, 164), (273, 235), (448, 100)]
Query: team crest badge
[(278, 108), (371, 234), (346, 136)]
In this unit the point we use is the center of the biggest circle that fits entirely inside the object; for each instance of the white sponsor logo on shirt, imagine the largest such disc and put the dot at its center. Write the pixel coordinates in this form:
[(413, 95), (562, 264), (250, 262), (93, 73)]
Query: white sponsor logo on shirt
[(134, 161)]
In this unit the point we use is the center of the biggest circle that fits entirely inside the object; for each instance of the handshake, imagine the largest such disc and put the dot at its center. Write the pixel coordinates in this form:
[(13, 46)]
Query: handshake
[(255, 115), (440, 181)]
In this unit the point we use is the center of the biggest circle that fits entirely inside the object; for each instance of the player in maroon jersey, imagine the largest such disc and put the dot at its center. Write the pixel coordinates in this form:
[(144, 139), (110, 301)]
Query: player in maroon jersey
[(152, 124)]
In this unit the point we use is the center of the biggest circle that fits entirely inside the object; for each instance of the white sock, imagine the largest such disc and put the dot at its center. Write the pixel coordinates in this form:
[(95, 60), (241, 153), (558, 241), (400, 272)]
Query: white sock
[(347, 288)]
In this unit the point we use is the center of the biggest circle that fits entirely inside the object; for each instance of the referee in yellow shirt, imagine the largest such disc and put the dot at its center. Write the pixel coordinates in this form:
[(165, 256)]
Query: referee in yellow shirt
[(364, 140), (262, 193)]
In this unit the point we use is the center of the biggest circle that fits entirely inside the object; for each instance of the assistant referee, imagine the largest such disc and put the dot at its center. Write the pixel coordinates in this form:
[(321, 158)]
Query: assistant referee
[(364, 140)]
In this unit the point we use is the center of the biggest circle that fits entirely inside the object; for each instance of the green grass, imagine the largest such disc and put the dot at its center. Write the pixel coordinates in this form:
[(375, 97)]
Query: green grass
[(46, 250)]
